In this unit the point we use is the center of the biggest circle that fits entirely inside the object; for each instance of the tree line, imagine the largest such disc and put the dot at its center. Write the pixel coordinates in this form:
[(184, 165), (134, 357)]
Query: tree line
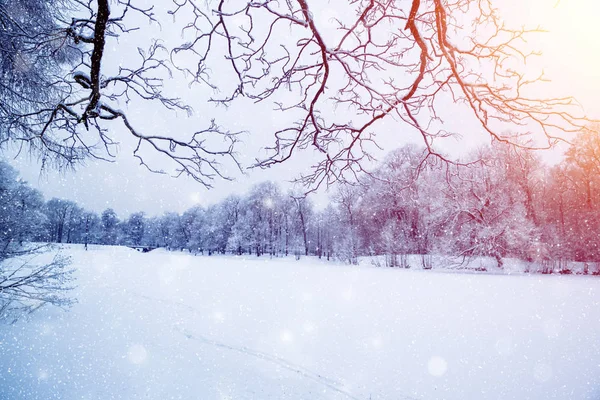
[(506, 204)]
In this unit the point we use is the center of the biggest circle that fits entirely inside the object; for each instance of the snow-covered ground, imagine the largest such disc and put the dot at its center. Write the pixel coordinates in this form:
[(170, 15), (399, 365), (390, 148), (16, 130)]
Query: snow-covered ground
[(173, 326)]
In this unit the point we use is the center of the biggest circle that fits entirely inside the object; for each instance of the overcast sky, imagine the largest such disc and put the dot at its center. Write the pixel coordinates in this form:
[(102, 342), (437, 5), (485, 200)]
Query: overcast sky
[(570, 59)]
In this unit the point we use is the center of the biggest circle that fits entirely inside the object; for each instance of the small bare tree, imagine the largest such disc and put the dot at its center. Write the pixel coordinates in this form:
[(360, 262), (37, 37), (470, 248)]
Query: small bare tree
[(26, 285)]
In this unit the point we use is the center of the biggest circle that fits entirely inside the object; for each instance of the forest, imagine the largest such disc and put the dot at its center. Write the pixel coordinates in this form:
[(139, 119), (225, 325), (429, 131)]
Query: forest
[(509, 203)]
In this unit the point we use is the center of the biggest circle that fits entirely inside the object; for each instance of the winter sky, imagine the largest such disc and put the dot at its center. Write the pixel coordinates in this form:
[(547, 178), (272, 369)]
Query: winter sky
[(570, 56)]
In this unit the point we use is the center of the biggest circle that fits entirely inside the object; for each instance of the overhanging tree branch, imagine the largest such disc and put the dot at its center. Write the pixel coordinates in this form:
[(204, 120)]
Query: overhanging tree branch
[(75, 121), (392, 59)]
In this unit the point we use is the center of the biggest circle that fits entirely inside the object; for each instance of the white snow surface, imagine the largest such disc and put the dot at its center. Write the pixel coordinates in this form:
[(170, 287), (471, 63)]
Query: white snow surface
[(164, 325)]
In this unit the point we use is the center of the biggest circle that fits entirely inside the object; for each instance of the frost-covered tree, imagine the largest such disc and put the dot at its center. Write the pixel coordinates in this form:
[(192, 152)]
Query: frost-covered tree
[(348, 243), (218, 224), (133, 229), (258, 226), (89, 228), (22, 216), (241, 238), (304, 215), (583, 158), (165, 231), (26, 283), (60, 46), (62, 217), (177, 232), (290, 226), (32, 54), (153, 234), (487, 214), (572, 201), (396, 206), (195, 223), (109, 222), (328, 230), (19, 211)]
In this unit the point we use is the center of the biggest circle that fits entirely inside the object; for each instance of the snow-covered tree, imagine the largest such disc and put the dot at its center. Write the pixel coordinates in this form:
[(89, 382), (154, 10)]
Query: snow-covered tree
[(32, 54), (59, 45), (347, 245), (89, 228), (487, 213), (109, 222), (133, 229), (304, 216), (25, 284), (397, 207), (62, 217), (571, 204), (328, 230), (218, 225), (195, 223), (21, 217)]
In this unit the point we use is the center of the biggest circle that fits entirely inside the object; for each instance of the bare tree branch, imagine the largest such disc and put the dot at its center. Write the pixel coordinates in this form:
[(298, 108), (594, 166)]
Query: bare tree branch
[(27, 284), (74, 122), (392, 59)]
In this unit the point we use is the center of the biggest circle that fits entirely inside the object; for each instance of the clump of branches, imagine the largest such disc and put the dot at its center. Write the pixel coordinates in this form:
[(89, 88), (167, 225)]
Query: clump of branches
[(384, 59), (378, 60), (65, 114), (27, 284)]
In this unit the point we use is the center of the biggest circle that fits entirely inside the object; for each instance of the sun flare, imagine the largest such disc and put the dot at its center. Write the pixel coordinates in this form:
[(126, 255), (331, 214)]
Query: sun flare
[(569, 48)]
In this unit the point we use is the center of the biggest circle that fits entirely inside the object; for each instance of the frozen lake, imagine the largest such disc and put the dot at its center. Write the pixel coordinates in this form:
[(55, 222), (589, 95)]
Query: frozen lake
[(174, 326)]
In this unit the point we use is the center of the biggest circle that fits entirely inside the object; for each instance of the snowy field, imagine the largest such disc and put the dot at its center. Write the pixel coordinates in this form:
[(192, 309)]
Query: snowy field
[(173, 326)]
